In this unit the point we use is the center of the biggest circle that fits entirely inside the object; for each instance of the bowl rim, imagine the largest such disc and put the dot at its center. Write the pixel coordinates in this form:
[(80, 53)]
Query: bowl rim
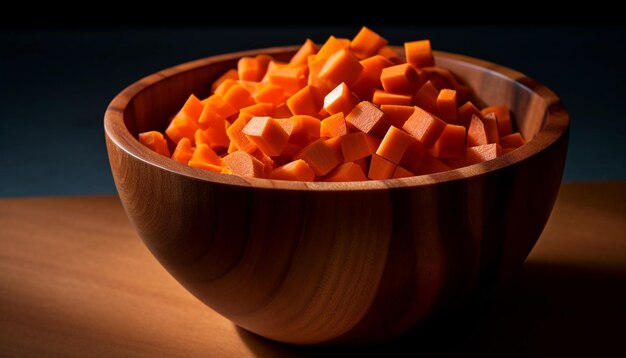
[(556, 124)]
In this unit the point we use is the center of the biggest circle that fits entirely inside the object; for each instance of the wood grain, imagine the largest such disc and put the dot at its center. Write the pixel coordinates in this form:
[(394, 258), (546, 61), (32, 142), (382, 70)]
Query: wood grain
[(311, 263), (76, 281)]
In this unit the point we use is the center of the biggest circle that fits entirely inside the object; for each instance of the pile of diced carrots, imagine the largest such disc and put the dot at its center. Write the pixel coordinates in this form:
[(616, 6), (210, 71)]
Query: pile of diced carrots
[(349, 110)]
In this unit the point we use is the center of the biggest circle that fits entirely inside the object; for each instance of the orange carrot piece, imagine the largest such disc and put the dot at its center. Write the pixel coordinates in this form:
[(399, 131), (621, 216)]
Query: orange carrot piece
[(248, 69), (266, 134), (237, 137), (491, 127), (215, 109), (281, 111), (465, 113), (291, 79), (205, 158), (183, 152), (320, 157), (505, 126), (368, 118), (514, 140), (342, 66), (307, 49), (424, 126), (382, 97), (155, 141), (419, 53), (295, 170), (331, 46), (305, 129), (390, 54), (244, 164), (358, 145), (446, 105), (192, 108), (397, 115), (426, 98), (333, 126), (268, 163), (270, 93), (369, 79), (394, 145), (307, 101), (340, 100), (432, 165), (335, 144), (451, 142), (399, 78), (413, 156), (181, 126), (223, 87), (346, 172), (367, 43), (401, 173), (482, 153), (476, 134), (239, 97), (381, 168), (440, 76), (230, 74)]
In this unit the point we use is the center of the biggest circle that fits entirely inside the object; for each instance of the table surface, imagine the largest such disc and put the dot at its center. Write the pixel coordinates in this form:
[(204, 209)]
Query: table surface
[(76, 280)]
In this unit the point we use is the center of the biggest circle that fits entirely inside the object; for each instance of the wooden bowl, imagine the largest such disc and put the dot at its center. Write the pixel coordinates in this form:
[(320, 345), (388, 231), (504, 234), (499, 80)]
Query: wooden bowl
[(311, 263)]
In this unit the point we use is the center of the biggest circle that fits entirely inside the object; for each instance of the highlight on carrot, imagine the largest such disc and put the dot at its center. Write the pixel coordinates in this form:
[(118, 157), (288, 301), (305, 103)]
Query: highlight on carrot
[(344, 110)]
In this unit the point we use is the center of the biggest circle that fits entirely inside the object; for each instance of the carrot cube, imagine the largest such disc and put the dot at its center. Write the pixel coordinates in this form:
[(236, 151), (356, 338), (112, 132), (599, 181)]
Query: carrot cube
[(419, 54), (514, 140), (205, 158), (346, 172), (155, 141), (368, 118), (244, 164), (381, 97), (451, 142), (367, 43), (399, 78), (266, 134), (342, 66), (308, 101), (482, 153), (446, 105), (358, 145), (300, 58), (397, 115), (476, 134), (320, 157), (505, 126), (426, 98), (424, 126), (381, 168), (465, 113), (183, 152), (333, 126), (394, 145), (340, 100)]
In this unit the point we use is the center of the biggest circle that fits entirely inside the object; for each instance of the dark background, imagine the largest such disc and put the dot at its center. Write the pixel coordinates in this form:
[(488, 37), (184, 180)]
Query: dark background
[(57, 77)]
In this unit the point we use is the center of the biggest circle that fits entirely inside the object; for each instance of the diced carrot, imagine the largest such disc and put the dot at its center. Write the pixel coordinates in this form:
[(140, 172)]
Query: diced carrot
[(424, 126), (305, 129), (358, 145), (364, 163), (367, 43), (263, 61), (368, 118), (505, 126), (315, 66), (440, 77), (333, 126), (244, 164), (482, 153), (476, 134), (268, 163), (320, 157), (240, 140), (290, 79), (390, 54), (381, 168), (342, 66), (155, 141), (270, 93), (258, 109), (399, 78), (266, 134), (335, 144), (238, 97), (205, 158), (419, 53), (432, 165), (394, 145), (346, 172), (446, 105), (295, 170), (426, 98), (340, 100), (215, 109), (465, 113), (230, 74), (192, 108), (401, 173), (369, 79), (281, 111), (248, 69), (491, 127), (413, 156), (307, 101), (514, 140), (451, 142), (332, 46), (286, 123), (250, 86), (381, 97), (397, 115), (183, 152), (223, 87), (181, 126), (308, 48)]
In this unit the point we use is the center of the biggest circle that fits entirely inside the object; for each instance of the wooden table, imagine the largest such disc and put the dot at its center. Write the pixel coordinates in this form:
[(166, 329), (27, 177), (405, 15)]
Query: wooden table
[(75, 280)]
